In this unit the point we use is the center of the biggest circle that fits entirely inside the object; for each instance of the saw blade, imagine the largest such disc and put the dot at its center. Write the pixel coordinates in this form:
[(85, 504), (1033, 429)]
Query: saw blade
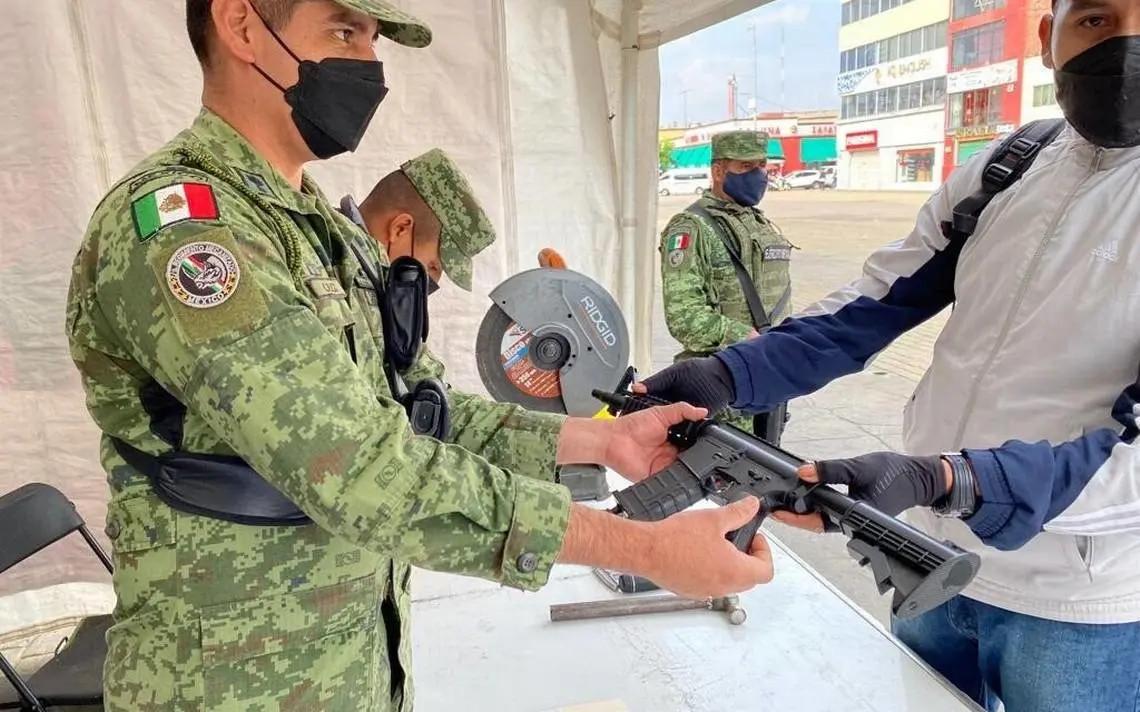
[(509, 368)]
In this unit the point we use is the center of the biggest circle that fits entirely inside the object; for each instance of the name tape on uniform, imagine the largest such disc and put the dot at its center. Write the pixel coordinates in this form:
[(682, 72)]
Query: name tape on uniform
[(778, 252)]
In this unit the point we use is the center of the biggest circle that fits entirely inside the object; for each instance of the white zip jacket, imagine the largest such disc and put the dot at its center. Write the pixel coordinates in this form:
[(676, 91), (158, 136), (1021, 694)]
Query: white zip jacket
[(1034, 377)]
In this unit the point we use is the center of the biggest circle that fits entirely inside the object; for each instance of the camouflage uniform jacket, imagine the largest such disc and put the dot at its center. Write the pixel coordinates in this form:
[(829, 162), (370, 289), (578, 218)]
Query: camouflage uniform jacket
[(214, 309), (705, 307)]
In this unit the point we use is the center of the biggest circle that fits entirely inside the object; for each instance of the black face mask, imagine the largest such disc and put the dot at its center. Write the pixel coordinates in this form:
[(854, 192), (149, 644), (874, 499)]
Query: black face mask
[(333, 100), (1099, 91)]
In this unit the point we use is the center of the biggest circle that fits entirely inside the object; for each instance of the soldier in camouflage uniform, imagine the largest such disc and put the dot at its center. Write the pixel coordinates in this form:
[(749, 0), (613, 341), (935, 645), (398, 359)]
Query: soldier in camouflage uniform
[(705, 304), (224, 331), (426, 210)]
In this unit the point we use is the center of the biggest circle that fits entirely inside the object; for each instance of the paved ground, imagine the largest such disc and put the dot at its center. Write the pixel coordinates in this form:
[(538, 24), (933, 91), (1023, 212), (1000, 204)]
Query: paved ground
[(836, 230)]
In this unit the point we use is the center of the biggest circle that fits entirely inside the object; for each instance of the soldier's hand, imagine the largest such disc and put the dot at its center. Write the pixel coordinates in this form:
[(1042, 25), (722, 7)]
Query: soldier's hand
[(637, 444), (692, 558), (704, 382)]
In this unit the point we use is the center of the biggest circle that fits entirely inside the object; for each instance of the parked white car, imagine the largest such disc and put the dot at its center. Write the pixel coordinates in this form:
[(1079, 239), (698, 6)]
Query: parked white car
[(684, 181), (807, 179)]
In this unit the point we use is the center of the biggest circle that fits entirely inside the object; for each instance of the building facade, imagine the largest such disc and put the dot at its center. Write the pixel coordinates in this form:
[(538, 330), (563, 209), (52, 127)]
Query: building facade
[(795, 140), (926, 84), (989, 40), (1038, 98), (892, 87)]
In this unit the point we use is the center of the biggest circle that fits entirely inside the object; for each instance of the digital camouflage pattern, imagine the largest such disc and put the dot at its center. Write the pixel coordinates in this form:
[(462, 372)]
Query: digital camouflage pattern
[(396, 25), (285, 370), (465, 229), (705, 307), (740, 145)]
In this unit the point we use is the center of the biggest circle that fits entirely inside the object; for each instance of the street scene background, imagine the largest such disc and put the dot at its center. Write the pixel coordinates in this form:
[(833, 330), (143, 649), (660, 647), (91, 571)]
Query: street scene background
[(836, 231)]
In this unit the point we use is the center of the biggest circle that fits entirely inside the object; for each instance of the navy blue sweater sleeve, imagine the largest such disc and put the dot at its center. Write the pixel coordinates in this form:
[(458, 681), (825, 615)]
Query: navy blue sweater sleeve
[(903, 285), (1089, 486)]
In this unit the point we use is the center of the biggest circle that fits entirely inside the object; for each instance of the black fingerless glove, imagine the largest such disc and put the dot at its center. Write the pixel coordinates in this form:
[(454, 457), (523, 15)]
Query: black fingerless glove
[(889, 482), (704, 382)]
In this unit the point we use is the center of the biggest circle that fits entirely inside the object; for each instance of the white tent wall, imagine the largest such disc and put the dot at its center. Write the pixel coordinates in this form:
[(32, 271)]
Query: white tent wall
[(526, 95)]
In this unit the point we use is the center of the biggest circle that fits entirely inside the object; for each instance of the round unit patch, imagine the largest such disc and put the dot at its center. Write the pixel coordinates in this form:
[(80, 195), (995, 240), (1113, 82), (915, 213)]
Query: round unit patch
[(676, 257), (202, 274)]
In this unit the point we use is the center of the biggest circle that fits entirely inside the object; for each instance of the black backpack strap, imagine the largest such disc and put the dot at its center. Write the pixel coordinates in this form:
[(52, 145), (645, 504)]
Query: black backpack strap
[(1008, 163), (760, 320)]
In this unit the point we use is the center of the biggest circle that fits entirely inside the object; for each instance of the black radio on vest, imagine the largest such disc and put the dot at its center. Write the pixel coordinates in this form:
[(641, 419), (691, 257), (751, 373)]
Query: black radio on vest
[(404, 314)]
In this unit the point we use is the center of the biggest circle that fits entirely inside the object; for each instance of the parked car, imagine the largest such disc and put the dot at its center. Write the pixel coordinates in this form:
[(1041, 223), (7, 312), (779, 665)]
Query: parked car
[(810, 180), (684, 181)]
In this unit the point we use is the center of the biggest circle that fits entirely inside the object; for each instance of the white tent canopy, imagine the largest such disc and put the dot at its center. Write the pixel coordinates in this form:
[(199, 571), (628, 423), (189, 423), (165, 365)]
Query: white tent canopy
[(549, 106)]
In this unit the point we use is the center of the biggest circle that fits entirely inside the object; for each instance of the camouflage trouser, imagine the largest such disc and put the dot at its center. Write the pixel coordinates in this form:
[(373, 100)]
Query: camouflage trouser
[(768, 426)]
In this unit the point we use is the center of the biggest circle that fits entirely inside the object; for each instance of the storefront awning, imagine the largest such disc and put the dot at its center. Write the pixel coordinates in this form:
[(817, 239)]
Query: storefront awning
[(969, 148), (701, 155), (818, 149)]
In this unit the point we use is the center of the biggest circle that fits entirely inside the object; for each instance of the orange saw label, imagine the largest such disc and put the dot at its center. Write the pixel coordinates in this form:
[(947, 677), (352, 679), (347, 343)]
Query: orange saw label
[(514, 353)]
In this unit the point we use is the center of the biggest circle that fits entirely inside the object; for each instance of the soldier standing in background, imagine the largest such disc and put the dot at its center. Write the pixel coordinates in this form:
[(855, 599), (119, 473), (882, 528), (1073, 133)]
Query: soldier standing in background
[(725, 266)]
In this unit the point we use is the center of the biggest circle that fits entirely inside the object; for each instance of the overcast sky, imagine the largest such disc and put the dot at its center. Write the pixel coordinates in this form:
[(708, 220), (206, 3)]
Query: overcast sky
[(702, 62)]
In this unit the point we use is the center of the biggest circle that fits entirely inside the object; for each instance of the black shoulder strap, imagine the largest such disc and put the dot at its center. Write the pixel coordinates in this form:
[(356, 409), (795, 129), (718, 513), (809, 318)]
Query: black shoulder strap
[(760, 320), (1008, 163)]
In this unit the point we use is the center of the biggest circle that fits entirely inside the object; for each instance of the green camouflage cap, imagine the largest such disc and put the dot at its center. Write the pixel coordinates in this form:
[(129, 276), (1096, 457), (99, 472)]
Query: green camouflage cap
[(740, 145), (465, 230), (396, 25)]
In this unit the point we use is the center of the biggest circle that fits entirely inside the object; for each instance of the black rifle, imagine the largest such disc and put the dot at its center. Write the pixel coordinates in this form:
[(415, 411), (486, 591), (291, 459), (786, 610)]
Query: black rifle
[(720, 461)]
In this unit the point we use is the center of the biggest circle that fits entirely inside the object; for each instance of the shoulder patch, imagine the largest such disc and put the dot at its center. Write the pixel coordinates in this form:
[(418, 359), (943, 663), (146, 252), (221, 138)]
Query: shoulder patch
[(677, 258), (202, 274), (678, 241), (172, 204), (204, 282)]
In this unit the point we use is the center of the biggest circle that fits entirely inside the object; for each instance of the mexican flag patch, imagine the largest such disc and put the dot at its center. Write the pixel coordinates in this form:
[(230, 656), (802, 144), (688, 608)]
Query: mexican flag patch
[(172, 204), (680, 241)]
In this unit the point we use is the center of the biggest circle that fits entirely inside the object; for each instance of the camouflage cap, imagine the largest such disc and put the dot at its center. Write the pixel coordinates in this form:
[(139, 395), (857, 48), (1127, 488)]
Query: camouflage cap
[(464, 229), (396, 25), (740, 145)]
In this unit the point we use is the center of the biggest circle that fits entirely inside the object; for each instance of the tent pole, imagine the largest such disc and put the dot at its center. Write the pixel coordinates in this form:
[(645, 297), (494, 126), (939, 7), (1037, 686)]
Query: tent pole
[(631, 265)]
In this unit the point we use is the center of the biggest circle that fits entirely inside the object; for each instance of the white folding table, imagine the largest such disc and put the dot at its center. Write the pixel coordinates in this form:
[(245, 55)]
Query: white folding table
[(805, 647)]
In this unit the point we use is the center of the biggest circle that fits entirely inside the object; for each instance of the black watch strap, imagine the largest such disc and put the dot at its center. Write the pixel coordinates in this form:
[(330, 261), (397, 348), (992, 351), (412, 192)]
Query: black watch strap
[(961, 501)]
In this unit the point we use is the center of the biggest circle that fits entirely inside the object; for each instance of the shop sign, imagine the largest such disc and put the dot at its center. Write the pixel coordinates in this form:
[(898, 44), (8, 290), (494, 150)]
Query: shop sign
[(991, 75), (916, 68), (817, 130), (775, 129), (971, 132), (786, 128), (862, 141)]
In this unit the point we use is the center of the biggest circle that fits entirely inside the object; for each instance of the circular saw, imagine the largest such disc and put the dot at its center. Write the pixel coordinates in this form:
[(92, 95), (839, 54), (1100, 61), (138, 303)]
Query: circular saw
[(551, 336)]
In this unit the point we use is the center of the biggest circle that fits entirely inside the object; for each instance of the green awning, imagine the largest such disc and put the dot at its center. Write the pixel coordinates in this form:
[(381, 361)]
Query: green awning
[(817, 149), (692, 156), (701, 154), (969, 148)]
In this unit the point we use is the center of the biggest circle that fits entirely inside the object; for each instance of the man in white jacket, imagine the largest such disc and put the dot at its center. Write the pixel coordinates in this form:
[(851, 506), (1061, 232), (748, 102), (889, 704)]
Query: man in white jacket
[(1021, 436)]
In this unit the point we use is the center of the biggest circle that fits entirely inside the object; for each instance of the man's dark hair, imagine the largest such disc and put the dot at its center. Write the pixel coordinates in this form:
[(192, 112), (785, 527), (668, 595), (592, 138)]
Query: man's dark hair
[(199, 26)]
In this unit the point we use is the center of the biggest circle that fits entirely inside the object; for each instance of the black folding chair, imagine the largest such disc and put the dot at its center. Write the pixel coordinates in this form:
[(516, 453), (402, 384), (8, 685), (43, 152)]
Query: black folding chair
[(32, 518)]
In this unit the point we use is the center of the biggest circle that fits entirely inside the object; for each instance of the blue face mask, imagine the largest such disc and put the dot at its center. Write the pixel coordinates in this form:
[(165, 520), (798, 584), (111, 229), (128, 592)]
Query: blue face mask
[(746, 188)]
